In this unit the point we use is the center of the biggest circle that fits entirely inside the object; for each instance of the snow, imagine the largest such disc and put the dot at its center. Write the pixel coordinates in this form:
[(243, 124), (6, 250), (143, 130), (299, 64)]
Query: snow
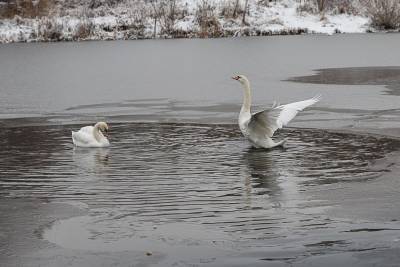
[(284, 15), (274, 18)]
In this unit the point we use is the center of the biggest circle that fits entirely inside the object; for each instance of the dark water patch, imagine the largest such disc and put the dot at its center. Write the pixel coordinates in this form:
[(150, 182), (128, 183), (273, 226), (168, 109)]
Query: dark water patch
[(163, 104), (193, 179), (278, 259), (187, 153), (22, 224), (370, 230), (328, 243), (387, 76)]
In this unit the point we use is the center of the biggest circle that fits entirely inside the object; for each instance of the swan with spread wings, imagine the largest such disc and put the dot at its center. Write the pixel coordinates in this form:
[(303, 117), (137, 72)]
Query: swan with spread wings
[(259, 127)]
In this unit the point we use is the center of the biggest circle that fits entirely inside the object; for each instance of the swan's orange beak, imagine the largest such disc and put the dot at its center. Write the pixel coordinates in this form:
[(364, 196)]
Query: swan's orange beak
[(235, 78), (105, 133)]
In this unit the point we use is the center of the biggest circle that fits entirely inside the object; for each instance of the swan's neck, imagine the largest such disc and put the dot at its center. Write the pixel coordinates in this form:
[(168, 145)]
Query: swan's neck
[(97, 133), (246, 98)]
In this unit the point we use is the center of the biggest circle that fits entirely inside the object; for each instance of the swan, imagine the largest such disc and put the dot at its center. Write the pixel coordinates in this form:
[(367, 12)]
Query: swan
[(91, 136), (259, 127)]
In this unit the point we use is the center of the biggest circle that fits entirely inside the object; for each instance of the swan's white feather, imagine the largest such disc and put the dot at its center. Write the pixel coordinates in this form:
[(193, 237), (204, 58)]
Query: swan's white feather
[(270, 120), (85, 138), (87, 129), (289, 111), (259, 127)]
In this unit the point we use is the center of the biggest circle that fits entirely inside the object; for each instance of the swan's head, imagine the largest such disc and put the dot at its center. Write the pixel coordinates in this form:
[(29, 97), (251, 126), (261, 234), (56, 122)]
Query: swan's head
[(242, 79), (103, 127)]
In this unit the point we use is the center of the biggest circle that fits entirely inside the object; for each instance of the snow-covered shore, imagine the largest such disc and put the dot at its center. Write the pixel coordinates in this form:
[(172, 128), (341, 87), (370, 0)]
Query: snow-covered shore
[(192, 20)]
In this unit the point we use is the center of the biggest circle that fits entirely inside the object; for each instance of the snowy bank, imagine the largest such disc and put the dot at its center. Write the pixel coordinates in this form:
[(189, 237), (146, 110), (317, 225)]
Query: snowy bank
[(195, 18)]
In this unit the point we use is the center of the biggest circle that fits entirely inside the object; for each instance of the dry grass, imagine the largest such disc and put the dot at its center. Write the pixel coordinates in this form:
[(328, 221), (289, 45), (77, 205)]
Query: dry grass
[(49, 30), (84, 30), (307, 7), (207, 20), (231, 9), (166, 12), (331, 6), (25, 8)]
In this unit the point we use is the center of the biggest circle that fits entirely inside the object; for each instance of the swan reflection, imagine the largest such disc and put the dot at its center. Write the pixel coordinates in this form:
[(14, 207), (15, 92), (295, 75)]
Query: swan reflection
[(266, 177), (263, 171), (90, 159)]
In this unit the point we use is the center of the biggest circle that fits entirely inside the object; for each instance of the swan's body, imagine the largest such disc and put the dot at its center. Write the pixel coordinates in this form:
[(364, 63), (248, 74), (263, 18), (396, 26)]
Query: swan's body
[(90, 136), (259, 127)]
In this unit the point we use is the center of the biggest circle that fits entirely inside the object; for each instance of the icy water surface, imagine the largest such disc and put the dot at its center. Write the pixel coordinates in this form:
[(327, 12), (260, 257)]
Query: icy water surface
[(179, 186), (196, 192), (190, 80), (388, 76)]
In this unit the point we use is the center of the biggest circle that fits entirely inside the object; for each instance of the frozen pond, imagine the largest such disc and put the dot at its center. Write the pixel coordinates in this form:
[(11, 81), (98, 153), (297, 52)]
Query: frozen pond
[(179, 186), (189, 80)]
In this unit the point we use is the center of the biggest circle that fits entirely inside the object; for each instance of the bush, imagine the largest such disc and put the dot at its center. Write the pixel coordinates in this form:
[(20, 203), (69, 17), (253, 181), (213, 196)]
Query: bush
[(84, 30), (384, 14), (207, 20), (333, 6), (138, 13), (25, 8), (307, 7), (166, 12), (347, 7), (50, 30), (231, 9)]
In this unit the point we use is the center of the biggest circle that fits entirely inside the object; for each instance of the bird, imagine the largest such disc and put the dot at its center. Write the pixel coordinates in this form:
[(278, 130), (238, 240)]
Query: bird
[(91, 136), (259, 127)]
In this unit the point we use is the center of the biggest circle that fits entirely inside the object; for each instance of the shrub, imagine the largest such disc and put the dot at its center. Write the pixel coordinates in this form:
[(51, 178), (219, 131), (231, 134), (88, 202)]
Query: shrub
[(166, 12), (384, 14), (231, 9), (84, 30), (49, 30), (312, 6), (138, 14), (307, 7), (333, 6), (25, 8), (207, 20)]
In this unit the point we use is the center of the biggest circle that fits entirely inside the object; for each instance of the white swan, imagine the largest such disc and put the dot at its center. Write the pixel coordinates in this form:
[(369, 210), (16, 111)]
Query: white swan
[(90, 136), (259, 127)]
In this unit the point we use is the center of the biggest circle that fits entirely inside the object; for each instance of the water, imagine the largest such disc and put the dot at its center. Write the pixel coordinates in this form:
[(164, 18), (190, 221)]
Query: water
[(179, 181), (187, 80), (388, 76), (196, 191), (186, 164)]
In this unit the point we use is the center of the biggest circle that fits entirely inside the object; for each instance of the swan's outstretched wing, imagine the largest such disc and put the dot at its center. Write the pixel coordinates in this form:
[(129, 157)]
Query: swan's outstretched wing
[(268, 121)]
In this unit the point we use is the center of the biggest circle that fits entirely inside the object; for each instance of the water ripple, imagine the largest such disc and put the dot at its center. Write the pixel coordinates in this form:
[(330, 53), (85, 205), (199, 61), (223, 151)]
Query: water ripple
[(195, 173)]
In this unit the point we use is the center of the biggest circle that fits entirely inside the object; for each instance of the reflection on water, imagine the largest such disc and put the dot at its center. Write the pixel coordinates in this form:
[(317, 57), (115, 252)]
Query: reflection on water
[(262, 171), (388, 76), (197, 174), (201, 158), (89, 159)]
